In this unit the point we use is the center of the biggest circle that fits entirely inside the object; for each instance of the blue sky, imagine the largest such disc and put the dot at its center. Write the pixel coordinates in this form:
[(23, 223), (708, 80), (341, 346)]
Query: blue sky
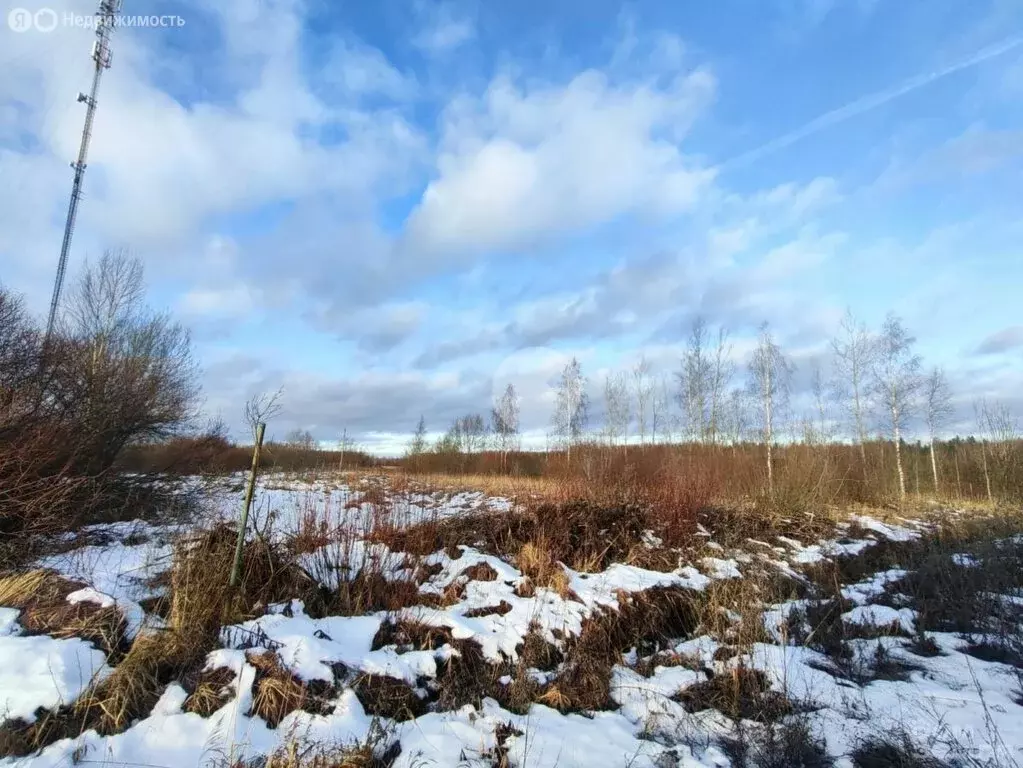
[(396, 208)]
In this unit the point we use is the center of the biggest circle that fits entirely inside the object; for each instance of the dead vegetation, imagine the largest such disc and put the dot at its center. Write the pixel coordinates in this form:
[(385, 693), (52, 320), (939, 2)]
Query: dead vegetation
[(389, 697), (647, 622), (42, 598), (211, 690), (584, 534), (894, 751), (956, 575), (277, 692), (198, 605), (374, 752), (740, 693), (785, 744)]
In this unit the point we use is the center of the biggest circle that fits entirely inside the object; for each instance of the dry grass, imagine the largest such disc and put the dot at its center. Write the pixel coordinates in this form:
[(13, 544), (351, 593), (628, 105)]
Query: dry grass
[(201, 601), (585, 534), (383, 696), (648, 622), (18, 590), (294, 757), (536, 561), (410, 635), (893, 751), (740, 693), (199, 604), (371, 753), (276, 691), (42, 598), (786, 744), (211, 691)]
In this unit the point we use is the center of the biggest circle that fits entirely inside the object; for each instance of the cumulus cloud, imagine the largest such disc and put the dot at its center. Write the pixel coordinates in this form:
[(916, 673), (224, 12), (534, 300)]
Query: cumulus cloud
[(444, 27), (162, 167), (518, 164), (452, 241)]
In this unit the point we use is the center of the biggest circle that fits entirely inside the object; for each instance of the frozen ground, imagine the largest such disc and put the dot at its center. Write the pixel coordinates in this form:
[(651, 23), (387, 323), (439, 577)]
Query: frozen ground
[(952, 703)]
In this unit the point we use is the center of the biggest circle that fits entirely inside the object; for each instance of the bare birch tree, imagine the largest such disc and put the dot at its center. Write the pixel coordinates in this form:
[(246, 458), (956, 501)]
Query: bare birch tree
[(770, 373), (300, 438), (473, 431), (694, 382), (571, 406), (999, 429), (853, 360), (644, 396), (660, 411), (737, 417), (822, 430), (616, 406), (938, 407), (345, 445), (417, 445), (720, 375), (897, 382), (505, 420)]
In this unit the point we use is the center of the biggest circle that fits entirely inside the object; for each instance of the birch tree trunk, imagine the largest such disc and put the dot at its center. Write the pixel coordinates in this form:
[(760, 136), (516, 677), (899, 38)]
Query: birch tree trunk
[(987, 475), (769, 432), (898, 454)]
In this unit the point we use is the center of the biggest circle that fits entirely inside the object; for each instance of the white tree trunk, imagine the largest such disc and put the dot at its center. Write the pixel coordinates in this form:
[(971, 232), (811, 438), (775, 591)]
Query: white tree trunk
[(897, 434), (987, 476), (934, 467), (769, 430)]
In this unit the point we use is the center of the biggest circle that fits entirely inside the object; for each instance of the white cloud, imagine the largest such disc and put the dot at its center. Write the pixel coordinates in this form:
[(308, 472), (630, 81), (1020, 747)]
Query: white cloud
[(524, 162), (162, 167), (444, 28), (798, 200), (361, 70)]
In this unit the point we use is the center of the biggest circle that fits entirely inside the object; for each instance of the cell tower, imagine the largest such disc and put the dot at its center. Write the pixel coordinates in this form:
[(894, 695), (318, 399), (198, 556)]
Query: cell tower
[(105, 20)]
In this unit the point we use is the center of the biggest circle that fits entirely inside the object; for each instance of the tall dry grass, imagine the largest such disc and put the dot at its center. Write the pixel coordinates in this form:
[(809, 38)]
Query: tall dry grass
[(807, 476)]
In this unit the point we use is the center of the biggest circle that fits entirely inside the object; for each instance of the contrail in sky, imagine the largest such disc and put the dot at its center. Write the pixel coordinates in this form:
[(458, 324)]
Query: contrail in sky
[(867, 103)]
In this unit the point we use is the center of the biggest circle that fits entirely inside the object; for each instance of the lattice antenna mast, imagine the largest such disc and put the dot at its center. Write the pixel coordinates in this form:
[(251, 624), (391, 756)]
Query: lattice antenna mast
[(105, 19)]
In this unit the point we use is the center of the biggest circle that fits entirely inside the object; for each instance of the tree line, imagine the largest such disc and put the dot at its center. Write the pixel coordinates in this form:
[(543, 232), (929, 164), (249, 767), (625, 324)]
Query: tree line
[(872, 385)]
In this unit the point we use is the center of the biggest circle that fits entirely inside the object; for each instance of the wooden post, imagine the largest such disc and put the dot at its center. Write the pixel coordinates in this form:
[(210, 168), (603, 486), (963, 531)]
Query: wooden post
[(236, 568)]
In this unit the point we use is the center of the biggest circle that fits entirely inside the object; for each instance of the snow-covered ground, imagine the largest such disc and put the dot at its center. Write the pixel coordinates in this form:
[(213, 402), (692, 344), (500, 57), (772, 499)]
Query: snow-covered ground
[(948, 702)]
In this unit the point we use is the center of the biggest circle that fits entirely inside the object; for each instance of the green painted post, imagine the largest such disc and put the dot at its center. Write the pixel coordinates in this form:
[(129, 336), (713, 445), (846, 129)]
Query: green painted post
[(249, 491)]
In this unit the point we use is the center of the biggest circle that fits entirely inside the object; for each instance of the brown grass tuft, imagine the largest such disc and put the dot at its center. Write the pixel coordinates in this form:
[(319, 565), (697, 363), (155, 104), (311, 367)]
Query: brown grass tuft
[(740, 693), (479, 572), (211, 691), (410, 635), (278, 692), (502, 608), (358, 755), (276, 697), (536, 561), (388, 697), (42, 597), (201, 601), (647, 621), (21, 589), (467, 677), (371, 592)]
